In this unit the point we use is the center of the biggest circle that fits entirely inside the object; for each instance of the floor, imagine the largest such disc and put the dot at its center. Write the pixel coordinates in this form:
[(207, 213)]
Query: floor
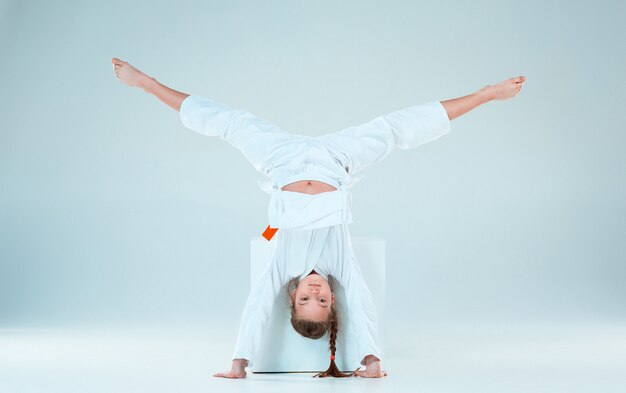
[(530, 359)]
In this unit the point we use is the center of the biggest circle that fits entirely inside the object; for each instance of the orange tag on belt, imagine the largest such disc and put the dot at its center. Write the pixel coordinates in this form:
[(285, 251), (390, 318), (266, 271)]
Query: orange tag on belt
[(269, 233)]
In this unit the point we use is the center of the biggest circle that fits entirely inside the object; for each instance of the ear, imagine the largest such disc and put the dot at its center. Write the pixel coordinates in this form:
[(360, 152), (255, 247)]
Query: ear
[(292, 296), (332, 298)]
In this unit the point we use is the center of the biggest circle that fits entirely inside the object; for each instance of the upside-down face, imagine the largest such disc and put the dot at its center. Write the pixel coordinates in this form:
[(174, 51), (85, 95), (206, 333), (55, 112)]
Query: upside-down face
[(313, 298)]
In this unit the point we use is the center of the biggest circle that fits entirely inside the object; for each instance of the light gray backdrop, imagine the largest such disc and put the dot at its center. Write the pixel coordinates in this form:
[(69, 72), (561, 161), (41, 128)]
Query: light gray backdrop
[(111, 212)]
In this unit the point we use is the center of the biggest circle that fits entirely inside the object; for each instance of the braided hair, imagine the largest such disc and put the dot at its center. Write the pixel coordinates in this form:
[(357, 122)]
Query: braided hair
[(317, 329)]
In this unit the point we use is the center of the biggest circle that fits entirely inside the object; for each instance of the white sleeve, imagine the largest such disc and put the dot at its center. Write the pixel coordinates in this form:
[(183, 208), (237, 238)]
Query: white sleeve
[(258, 310), (360, 305)]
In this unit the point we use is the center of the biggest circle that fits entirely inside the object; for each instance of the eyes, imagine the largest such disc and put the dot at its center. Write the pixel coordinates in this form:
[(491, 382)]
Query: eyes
[(321, 300)]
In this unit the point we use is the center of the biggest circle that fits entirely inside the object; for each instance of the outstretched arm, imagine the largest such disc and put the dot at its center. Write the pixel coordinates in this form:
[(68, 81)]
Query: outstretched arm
[(359, 303), (256, 313), (132, 77), (501, 91)]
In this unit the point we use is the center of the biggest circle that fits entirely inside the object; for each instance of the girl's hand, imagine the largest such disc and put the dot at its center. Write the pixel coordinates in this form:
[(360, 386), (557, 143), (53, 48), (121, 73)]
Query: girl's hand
[(372, 369), (505, 89), (238, 370), (128, 74)]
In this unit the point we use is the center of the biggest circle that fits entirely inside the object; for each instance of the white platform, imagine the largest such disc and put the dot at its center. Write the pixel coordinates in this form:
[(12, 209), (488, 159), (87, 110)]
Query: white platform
[(284, 350)]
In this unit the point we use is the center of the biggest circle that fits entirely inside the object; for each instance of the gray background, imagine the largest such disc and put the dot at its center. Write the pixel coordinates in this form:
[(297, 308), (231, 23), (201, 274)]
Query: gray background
[(113, 213)]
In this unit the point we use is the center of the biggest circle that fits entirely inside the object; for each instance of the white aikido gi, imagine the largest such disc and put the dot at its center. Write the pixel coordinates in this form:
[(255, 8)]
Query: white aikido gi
[(313, 232)]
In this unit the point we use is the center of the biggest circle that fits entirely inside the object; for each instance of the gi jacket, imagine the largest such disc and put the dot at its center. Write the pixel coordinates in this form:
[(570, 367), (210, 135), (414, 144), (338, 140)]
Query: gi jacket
[(312, 229)]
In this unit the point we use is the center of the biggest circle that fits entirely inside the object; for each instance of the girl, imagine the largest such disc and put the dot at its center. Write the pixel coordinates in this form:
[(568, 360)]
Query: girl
[(310, 202)]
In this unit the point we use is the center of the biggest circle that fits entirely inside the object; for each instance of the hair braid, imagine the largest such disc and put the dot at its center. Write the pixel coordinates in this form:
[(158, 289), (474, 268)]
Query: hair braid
[(333, 333), (333, 370)]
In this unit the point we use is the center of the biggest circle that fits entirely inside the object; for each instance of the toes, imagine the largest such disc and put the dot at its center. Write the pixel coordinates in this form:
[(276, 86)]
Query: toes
[(117, 61)]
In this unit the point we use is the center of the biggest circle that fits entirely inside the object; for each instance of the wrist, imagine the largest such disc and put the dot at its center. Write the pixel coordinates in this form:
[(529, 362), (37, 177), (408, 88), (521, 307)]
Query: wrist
[(371, 359), (240, 363)]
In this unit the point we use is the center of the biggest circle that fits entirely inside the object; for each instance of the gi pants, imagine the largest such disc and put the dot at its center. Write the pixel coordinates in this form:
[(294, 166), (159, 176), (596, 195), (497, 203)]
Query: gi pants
[(336, 158)]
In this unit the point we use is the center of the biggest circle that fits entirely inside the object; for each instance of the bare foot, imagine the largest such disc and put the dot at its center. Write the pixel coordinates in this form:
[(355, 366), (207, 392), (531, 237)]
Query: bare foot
[(506, 89), (128, 74), (238, 370)]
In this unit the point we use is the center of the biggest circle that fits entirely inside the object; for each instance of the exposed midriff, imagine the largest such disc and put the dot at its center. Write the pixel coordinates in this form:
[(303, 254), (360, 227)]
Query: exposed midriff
[(308, 187)]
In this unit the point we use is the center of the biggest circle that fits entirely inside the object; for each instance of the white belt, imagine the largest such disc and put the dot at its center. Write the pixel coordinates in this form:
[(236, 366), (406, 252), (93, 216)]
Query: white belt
[(297, 210)]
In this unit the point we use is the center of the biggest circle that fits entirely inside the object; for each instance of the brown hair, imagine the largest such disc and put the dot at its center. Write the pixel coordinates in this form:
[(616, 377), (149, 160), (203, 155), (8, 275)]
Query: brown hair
[(317, 329)]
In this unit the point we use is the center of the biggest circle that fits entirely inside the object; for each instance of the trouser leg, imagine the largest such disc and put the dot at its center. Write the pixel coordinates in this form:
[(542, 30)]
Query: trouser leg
[(254, 137), (364, 145)]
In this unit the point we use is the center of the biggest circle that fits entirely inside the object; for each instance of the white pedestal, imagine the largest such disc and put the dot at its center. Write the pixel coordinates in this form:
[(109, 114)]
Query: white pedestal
[(284, 350)]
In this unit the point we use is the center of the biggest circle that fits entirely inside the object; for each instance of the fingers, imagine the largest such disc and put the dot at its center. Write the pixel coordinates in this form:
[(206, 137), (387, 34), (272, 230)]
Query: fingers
[(519, 79), (232, 374), (228, 375), (364, 374)]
